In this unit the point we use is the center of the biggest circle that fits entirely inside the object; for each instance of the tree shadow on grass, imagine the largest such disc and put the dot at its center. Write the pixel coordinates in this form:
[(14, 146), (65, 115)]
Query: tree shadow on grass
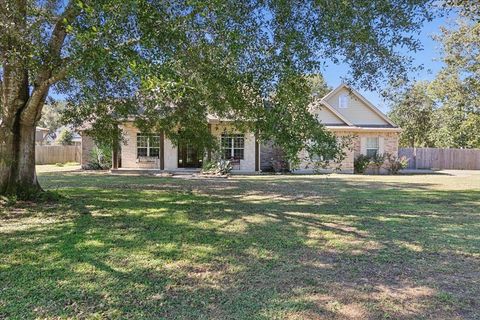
[(243, 249)]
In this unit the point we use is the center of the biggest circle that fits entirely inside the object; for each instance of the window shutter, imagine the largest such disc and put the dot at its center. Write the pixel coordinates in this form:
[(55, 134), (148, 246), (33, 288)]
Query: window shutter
[(381, 145), (363, 145)]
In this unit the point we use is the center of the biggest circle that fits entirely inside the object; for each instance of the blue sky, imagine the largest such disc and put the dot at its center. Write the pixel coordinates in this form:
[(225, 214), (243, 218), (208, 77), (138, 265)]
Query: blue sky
[(428, 57)]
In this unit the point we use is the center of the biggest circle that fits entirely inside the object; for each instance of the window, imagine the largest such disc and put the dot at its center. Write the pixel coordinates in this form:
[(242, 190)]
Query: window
[(372, 146), (343, 101), (148, 145), (323, 158), (233, 146)]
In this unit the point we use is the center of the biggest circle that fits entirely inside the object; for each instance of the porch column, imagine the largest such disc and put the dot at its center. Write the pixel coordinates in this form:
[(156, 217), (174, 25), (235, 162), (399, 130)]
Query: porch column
[(209, 151), (257, 154), (115, 157), (162, 151), (115, 148)]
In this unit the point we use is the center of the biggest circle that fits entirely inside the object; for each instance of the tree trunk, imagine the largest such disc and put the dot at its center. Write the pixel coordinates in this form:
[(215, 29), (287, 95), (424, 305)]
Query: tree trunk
[(17, 162), (20, 114), (21, 100)]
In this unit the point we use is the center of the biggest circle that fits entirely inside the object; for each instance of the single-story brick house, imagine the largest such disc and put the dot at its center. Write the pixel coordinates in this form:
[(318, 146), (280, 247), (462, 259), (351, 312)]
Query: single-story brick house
[(343, 111)]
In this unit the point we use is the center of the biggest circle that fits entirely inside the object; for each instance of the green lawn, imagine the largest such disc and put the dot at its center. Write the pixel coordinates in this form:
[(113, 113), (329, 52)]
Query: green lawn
[(265, 247)]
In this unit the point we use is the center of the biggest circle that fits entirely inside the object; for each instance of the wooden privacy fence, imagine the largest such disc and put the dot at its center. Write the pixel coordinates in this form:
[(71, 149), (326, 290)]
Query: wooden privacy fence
[(57, 154), (437, 158)]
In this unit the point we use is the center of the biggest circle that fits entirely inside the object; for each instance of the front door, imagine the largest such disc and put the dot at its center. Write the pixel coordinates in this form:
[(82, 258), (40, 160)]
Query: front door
[(188, 156)]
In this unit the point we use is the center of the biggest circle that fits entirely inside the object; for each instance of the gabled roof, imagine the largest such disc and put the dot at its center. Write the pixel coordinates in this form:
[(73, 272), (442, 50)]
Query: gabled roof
[(361, 98), (335, 112)]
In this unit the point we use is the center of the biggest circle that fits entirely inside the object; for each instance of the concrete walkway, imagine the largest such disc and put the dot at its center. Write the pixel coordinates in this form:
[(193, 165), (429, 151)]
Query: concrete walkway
[(418, 171), (457, 173)]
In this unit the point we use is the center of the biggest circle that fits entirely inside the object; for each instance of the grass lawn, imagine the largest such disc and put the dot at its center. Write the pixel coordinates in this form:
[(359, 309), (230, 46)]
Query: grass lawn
[(264, 247)]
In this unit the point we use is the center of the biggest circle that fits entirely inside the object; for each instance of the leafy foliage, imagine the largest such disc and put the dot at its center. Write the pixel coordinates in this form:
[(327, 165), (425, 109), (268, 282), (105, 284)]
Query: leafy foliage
[(361, 163), (445, 113), (467, 8), (374, 163), (51, 116), (178, 62), (457, 87), (101, 158), (413, 111), (217, 167), (318, 86), (278, 164), (65, 137), (327, 157), (394, 164), (172, 63)]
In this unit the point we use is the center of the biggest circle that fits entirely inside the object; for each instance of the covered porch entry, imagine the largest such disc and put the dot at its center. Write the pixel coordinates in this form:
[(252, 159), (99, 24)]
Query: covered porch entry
[(157, 152), (189, 156)]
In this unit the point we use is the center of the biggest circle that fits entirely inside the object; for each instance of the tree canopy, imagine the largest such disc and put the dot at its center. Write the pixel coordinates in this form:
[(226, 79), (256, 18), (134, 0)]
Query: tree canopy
[(65, 137), (52, 116), (445, 112), (248, 61), (413, 111), (170, 63)]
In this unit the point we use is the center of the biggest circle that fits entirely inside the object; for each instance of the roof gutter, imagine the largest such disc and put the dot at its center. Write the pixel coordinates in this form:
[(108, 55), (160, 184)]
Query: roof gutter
[(363, 129)]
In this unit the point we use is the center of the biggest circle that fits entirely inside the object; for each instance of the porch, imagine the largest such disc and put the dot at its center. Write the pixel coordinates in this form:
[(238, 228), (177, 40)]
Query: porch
[(153, 172), (155, 153)]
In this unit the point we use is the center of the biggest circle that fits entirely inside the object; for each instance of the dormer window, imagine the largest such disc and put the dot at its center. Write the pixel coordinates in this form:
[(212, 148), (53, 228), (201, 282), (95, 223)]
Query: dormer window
[(343, 101)]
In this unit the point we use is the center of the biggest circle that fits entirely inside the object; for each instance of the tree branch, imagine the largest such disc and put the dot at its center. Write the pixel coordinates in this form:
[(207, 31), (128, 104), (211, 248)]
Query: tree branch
[(59, 75), (56, 42), (46, 76), (59, 32)]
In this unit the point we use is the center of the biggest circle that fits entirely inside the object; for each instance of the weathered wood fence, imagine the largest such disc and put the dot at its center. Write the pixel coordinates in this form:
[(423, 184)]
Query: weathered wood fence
[(57, 154), (437, 158)]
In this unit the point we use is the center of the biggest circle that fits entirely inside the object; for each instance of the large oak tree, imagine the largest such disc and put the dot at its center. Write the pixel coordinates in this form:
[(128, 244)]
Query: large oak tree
[(178, 61)]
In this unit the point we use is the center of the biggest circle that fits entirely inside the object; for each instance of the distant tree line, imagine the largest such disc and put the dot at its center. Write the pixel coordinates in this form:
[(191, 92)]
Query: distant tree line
[(444, 112)]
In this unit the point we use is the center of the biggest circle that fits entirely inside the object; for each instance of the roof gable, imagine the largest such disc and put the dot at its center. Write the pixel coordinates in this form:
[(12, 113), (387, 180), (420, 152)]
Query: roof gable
[(327, 115), (360, 111)]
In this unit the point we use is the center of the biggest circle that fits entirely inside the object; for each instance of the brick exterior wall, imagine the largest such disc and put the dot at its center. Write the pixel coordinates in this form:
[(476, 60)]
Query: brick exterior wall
[(129, 149), (267, 150), (346, 166), (389, 145), (390, 142)]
